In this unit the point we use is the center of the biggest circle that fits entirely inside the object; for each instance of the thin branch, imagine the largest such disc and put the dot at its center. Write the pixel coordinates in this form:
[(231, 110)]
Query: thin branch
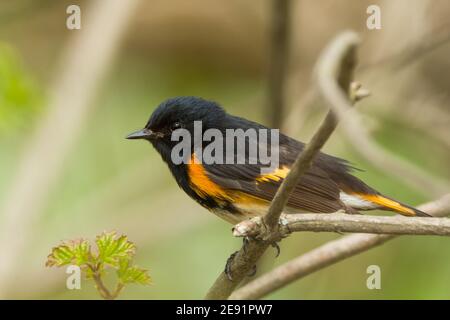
[(101, 287), (338, 62), (342, 222), (118, 290), (325, 255), (279, 53)]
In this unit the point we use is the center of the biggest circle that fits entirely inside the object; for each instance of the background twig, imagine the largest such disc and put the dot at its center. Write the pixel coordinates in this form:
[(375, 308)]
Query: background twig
[(279, 58), (360, 139)]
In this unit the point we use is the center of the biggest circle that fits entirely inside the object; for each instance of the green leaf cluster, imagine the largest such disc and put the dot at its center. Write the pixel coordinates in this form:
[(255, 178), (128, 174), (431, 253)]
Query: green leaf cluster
[(112, 251)]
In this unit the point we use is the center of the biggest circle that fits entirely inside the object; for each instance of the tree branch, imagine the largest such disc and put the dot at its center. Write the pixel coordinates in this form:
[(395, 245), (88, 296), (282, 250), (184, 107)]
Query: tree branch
[(327, 254), (337, 63), (342, 222)]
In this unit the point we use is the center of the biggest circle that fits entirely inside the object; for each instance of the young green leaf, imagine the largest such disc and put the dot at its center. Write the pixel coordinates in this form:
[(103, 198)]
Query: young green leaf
[(69, 252), (82, 252), (132, 274), (112, 248), (112, 251), (61, 255)]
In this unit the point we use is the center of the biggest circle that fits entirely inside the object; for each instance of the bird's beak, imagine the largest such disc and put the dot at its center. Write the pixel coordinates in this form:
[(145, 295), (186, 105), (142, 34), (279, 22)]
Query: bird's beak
[(142, 134)]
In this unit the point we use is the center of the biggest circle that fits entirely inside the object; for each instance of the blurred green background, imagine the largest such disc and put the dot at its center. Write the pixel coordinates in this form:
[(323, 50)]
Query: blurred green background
[(218, 50)]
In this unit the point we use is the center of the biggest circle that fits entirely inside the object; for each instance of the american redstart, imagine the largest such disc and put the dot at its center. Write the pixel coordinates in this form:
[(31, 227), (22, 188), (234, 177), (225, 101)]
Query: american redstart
[(236, 190)]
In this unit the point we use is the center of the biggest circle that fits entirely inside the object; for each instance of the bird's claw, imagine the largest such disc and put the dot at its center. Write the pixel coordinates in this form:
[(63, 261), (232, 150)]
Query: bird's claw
[(245, 242), (230, 259), (253, 271), (277, 248)]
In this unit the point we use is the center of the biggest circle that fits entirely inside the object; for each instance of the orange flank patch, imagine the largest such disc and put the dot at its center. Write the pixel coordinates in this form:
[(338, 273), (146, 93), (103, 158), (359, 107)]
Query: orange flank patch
[(277, 175), (205, 187), (202, 184), (387, 203)]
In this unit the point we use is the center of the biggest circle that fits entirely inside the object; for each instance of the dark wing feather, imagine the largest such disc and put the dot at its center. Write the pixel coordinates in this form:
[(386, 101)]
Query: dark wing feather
[(315, 192), (318, 189)]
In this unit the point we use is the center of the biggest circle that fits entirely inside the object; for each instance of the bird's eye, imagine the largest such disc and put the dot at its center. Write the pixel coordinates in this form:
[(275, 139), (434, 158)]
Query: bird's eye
[(175, 126)]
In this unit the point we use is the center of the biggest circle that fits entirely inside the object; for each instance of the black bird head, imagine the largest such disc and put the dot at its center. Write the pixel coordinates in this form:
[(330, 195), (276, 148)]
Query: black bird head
[(176, 113)]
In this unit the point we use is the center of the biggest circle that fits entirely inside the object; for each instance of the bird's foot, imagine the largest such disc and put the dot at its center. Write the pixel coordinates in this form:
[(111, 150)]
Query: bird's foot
[(230, 259)]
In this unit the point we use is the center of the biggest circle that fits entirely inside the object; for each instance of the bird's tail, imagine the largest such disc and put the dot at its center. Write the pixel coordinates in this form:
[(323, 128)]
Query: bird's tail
[(386, 203)]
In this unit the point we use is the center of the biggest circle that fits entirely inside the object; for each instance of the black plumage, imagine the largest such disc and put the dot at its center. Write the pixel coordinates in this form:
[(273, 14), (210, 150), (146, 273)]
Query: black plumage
[(319, 190)]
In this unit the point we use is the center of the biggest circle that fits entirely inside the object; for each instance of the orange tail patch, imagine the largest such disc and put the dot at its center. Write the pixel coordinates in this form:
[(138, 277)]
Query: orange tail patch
[(388, 203)]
